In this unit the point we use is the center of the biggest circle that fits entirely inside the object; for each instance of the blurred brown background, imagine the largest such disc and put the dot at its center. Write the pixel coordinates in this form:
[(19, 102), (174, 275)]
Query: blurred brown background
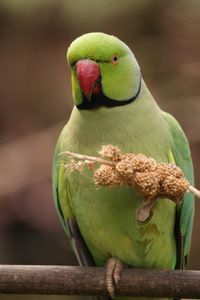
[(35, 102)]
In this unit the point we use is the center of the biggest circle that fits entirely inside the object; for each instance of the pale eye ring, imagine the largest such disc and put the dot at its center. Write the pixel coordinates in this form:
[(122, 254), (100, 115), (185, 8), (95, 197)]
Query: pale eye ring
[(115, 59)]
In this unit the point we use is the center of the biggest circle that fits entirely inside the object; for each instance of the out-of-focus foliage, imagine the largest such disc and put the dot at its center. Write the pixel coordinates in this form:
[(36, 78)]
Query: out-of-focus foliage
[(35, 102)]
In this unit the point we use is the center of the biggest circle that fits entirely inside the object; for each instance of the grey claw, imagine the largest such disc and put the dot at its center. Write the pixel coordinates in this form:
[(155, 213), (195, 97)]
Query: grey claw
[(114, 270)]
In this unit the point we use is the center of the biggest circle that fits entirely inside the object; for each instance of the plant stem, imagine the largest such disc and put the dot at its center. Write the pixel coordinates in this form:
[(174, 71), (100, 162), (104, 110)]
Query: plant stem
[(87, 158)]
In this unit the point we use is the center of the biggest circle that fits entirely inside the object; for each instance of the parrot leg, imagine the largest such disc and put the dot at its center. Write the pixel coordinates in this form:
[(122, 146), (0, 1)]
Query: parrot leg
[(114, 270)]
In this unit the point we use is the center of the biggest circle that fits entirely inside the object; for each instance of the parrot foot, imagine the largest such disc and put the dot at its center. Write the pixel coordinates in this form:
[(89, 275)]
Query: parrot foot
[(114, 270), (145, 210)]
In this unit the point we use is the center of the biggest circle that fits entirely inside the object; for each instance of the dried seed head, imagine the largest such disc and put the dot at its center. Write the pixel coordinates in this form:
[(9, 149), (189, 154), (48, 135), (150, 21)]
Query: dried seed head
[(132, 163), (141, 163), (106, 176), (111, 152), (147, 183), (75, 166), (136, 170), (125, 169), (165, 170), (174, 188)]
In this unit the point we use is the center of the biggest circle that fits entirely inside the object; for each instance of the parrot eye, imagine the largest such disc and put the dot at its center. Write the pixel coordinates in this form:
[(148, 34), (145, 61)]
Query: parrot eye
[(115, 59)]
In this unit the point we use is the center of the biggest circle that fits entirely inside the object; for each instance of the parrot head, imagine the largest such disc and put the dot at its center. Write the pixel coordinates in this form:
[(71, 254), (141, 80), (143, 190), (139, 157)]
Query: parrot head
[(104, 71)]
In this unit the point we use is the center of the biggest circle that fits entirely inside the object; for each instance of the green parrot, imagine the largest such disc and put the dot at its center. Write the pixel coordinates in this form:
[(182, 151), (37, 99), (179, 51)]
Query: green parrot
[(112, 105)]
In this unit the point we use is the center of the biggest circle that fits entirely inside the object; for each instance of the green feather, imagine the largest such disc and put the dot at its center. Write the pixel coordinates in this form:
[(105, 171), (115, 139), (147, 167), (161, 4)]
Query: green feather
[(59, 189), (183, 159)]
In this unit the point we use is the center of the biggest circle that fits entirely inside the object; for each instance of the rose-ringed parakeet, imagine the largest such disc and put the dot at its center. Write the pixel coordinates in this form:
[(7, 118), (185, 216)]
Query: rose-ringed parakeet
[(114, 106)]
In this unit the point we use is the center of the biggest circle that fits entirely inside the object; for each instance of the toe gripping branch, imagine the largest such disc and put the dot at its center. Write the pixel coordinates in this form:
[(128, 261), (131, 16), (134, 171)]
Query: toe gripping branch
[(114, 270)]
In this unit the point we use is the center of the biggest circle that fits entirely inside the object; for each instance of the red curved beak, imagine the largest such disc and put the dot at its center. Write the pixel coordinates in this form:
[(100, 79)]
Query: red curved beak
[(88, 74)]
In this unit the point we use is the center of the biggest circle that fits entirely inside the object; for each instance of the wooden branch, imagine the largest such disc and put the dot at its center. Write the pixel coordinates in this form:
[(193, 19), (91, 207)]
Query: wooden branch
[(63, 280)]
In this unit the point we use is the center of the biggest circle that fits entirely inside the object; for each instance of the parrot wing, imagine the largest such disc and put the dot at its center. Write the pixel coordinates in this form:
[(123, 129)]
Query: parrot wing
[(185, 213), (64, 209)]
